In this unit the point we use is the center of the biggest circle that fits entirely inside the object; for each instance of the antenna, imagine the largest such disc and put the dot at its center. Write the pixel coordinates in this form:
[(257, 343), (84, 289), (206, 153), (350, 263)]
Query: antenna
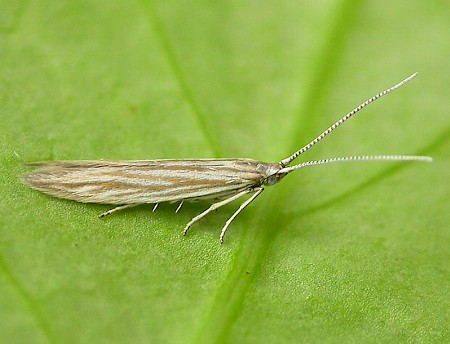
[(287, 170), (288, 160)]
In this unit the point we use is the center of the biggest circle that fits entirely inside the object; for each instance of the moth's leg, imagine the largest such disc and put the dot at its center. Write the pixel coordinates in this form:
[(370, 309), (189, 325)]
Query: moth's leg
[(214, 207), (156, 206), (119, 208), (242, 207), (179, 207)]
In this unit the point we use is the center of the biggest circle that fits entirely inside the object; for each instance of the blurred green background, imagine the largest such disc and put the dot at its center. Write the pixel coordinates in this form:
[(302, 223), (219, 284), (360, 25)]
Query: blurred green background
[(354, 253)]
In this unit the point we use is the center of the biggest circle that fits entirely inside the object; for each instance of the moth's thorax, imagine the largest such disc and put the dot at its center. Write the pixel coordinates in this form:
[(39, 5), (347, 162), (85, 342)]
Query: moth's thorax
[(270, 173)]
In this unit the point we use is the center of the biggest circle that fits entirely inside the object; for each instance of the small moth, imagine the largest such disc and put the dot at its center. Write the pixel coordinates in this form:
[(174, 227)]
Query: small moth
[(134, 182)]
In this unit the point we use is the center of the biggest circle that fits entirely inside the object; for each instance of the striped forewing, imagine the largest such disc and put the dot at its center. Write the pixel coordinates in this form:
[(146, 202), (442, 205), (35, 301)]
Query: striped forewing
[(145, 181)]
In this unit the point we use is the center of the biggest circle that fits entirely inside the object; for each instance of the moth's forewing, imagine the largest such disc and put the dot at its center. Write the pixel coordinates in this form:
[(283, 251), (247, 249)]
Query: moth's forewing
[(145, 181)]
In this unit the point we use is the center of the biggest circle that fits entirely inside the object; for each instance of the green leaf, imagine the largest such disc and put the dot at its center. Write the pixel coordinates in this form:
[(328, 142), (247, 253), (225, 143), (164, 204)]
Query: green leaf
[(340, 253)]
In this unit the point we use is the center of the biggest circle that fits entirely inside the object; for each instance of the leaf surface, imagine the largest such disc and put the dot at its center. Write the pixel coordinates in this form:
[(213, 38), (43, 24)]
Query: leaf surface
[(343, 253)]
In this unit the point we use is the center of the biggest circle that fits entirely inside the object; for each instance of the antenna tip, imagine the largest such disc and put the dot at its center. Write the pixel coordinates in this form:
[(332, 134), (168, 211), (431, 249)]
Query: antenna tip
[(412, 76)]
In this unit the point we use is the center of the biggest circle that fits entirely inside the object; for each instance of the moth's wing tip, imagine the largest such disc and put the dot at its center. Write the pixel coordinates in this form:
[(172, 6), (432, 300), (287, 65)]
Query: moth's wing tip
[(33, 177), (28, 178)]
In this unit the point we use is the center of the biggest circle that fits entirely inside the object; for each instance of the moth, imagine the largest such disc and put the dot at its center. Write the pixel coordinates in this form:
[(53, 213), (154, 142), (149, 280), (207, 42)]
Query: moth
[(130, 183)]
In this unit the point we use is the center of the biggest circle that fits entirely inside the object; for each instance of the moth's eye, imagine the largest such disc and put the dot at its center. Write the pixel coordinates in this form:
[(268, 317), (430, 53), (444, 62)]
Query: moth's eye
[(272, 179)]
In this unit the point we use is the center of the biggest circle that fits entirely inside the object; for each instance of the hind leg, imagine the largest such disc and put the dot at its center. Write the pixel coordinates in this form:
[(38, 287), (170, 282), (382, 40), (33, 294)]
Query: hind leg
[(116, 209)]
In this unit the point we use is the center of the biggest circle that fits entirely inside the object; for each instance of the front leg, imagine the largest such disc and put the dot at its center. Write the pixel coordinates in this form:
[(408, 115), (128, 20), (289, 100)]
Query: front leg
[(215, 206), (242, 207)]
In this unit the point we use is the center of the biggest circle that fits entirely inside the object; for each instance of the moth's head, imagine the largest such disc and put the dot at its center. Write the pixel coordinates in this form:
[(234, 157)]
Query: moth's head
[(273, 174)]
